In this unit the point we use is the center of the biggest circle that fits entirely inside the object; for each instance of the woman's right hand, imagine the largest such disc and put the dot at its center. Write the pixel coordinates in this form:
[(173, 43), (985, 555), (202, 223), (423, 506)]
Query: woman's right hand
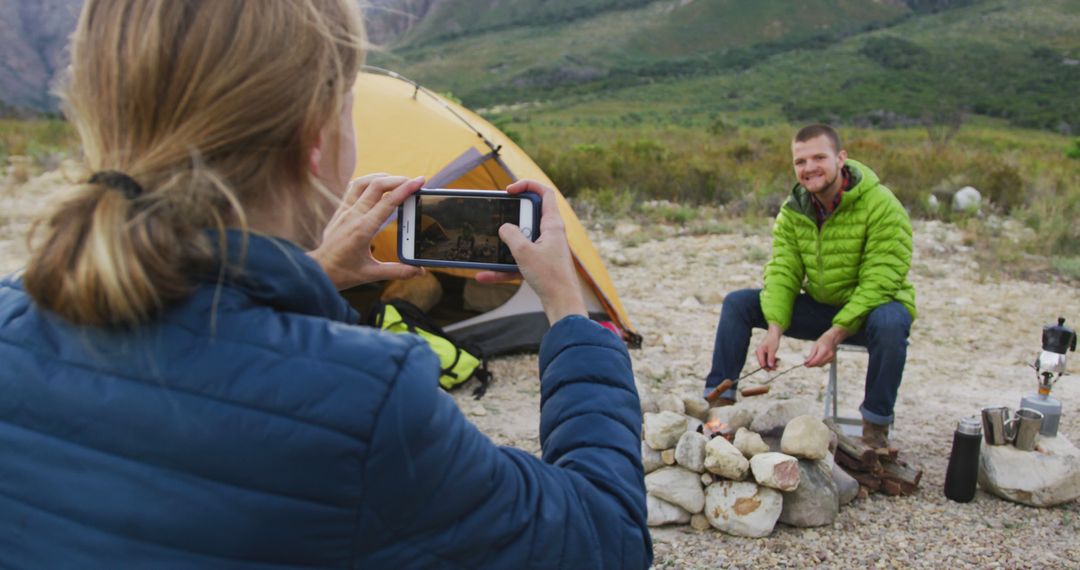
[(345, 251), (546, 264)]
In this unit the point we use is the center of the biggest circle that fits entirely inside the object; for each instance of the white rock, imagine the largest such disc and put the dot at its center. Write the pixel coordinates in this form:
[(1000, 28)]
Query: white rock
[(776, 471), (1038, 478), (734, 417), (710, 296), (807, 437), (662, 430), (932, 203), (742, 508), (650, 458), (750, 443), (620, 259), (967, 199), (700, 522), (692, 423), (667, 456), (695, 406), (707, 478), (690, 303), (677, 486), (690, 451), (662, 512), (624, 229), (773, 420), (671, 403), (725, 460), (816, 501)]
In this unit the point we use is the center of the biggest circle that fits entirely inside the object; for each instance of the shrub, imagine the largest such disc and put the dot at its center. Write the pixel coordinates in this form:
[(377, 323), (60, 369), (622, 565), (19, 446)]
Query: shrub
[(1004, 186), (1074, 150), (720, 126), (605, 203), (894, 53), (1067, 266)]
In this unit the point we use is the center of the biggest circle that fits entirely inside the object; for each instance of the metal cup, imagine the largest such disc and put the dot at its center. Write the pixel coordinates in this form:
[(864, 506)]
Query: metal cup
[(994, 420), (1028, 423)]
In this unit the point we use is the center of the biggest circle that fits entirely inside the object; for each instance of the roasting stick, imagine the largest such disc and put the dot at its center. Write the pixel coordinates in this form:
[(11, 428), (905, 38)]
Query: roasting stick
[(727, 383), (761, 388)]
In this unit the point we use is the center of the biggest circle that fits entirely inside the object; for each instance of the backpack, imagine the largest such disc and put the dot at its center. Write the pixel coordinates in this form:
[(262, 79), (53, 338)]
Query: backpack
[(458, 361)]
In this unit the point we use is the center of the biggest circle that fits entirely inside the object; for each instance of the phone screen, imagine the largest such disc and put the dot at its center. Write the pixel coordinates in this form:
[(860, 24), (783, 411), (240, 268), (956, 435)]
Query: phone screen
[(456, 228)]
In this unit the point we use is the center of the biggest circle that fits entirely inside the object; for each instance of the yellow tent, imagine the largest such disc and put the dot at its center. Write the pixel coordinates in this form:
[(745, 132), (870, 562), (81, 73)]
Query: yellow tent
[(402, 128)]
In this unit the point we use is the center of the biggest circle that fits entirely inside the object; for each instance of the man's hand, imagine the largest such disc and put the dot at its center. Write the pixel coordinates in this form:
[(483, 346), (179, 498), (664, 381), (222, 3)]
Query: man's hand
[(545, 264), (345, 251), (766, 351), (824, 350)]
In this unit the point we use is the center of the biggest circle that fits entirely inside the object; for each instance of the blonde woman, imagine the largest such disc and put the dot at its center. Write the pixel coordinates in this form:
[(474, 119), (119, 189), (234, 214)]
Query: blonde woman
[(181, 384)]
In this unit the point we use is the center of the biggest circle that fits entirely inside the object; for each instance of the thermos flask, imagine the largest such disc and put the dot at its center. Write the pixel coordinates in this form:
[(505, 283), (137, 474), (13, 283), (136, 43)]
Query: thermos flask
[(963, 470)]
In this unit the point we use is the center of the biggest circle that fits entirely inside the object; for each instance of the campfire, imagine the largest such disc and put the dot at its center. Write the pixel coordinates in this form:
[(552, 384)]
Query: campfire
[(741, 472), (716, 428)]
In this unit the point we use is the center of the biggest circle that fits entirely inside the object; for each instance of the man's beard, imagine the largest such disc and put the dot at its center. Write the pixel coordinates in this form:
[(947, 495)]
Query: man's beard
[(828, 184)]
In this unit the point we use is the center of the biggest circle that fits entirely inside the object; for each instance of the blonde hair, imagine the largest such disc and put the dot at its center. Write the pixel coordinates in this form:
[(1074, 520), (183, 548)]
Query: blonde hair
[(213, 107)]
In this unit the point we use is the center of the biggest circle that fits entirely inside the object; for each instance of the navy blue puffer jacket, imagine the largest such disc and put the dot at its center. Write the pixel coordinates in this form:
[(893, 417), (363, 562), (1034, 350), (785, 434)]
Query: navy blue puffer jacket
[(253, 426)]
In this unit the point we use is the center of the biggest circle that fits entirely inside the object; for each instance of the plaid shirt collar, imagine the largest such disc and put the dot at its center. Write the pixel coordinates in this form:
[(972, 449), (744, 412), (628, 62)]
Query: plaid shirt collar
[(819, 209)]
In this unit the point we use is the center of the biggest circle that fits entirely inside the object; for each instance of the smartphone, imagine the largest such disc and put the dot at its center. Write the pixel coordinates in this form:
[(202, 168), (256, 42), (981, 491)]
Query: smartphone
[(460, 228)]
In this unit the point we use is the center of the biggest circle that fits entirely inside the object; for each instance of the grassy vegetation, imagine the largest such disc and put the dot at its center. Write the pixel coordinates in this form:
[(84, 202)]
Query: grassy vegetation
[(857, 63), (39, 140), (618, 167)]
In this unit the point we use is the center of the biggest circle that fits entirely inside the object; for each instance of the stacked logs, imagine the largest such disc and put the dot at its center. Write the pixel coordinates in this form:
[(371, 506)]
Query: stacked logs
[(878, 470)]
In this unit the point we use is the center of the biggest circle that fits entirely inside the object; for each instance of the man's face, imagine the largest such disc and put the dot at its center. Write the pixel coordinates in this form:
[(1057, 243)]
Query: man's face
[(817, 164)]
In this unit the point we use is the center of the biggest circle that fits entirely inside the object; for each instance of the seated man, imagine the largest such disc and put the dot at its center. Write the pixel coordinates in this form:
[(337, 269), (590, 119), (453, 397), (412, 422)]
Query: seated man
[(844, 239)]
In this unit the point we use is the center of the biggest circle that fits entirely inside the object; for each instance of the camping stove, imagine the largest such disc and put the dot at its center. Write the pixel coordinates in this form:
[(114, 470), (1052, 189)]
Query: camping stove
[(1049, 366)]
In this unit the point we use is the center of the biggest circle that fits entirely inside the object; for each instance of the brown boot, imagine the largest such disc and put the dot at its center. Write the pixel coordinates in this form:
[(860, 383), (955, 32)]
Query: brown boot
[(721, 402), (874, 435)]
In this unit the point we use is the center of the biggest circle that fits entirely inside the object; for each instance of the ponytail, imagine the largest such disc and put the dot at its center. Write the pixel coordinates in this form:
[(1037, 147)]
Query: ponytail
[(109, 258), (206, 109)]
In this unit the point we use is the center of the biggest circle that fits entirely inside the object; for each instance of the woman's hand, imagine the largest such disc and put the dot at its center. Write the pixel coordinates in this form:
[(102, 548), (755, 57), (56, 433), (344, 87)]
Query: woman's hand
[(545, 264), (345, 251)]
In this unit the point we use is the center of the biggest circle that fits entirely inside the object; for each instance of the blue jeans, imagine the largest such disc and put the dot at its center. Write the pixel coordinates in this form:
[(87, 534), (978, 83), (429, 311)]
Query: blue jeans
[(884, 334)]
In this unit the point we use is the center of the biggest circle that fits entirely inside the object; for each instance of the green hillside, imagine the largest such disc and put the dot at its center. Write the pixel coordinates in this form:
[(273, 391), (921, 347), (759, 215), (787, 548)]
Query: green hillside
[(845, 61), (449, 20), (706, 27)]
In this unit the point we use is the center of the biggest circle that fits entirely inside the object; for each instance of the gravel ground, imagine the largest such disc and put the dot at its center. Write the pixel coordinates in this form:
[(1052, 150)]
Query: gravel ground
[(971, 347)]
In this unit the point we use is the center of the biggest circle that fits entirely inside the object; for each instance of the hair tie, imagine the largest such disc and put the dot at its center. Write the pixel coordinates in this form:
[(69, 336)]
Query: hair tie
[(116, 180)]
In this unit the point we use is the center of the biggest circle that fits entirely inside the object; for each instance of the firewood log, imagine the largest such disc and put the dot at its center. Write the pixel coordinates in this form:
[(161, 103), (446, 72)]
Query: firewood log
[(855, 448)]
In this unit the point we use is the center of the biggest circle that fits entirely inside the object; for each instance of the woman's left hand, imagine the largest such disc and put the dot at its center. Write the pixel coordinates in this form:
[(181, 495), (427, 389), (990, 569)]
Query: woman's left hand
[(345, 251)]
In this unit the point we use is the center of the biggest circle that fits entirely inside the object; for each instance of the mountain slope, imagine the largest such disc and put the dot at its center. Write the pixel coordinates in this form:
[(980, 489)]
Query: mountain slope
[(883, 63), (33, 36)]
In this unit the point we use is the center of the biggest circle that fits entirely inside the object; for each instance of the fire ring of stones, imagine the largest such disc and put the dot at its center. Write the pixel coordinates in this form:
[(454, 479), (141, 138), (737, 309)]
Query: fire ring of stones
[(740, 472)]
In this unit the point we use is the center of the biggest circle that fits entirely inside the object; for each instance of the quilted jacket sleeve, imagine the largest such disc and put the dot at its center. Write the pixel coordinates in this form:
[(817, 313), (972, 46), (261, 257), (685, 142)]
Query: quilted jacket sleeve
[(783, 274), (885, 262), (443, 495)]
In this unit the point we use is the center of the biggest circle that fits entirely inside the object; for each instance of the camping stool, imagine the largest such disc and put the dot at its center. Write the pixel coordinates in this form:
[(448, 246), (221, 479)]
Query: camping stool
[(851, 426)]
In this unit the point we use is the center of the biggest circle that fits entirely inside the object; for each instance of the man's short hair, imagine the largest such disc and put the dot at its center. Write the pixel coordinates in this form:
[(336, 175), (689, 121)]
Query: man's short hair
[(814, 131)]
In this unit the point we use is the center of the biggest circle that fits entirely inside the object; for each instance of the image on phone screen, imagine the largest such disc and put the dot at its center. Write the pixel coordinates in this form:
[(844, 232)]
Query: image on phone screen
[(455, 228)]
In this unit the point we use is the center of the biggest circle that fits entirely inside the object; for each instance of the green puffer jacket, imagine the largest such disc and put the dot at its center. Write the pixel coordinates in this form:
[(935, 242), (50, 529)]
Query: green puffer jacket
[(859, 259)]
